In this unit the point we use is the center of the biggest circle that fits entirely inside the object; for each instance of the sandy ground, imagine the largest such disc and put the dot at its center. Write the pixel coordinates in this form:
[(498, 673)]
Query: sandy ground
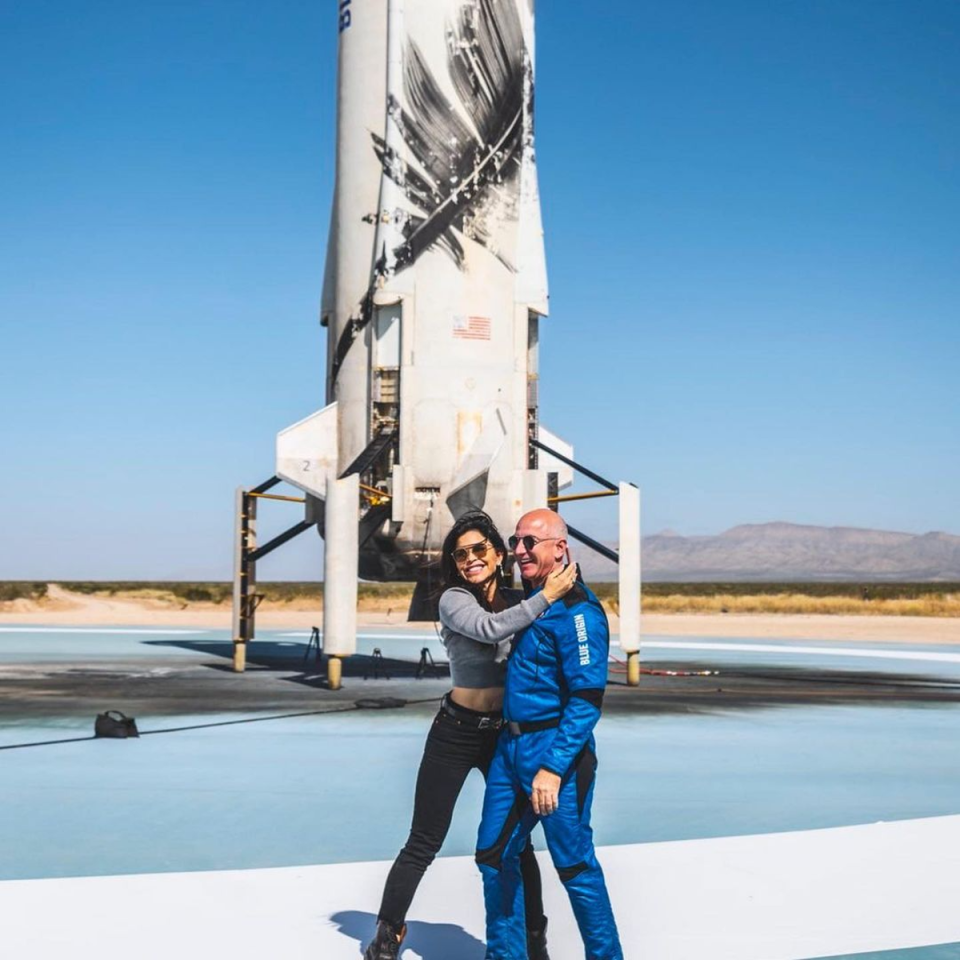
[(62, 608)]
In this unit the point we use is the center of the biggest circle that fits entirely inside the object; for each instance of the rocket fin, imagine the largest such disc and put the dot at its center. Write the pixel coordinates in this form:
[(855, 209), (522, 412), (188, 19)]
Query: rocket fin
[(552, 464), (469, 497), (307, 452), (468, 491)]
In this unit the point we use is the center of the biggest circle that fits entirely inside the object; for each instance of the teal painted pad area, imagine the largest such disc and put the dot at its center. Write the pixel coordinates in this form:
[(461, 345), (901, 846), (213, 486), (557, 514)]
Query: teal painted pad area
[(339, 788), (943, 951), (940, 661), (29, 644), (94, 644)]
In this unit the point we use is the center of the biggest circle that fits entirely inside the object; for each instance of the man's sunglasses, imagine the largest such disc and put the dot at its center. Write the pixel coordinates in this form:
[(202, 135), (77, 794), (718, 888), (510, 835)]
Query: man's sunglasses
[(529, 541), (478, 550)]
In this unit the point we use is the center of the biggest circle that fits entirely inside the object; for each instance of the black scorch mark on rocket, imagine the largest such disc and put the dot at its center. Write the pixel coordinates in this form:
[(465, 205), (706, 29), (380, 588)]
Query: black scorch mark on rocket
[(465, 159), (460, 169)]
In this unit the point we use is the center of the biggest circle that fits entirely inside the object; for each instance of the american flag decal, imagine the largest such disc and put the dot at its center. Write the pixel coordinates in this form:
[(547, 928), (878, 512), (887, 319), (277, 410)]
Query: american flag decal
[(471, 328)]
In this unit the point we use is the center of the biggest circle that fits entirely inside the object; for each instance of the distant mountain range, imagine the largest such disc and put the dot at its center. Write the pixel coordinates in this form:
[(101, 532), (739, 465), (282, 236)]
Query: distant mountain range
[(790, 551)]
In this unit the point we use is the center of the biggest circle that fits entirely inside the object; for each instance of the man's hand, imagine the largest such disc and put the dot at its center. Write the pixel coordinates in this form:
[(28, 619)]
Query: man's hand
[(546, 793)]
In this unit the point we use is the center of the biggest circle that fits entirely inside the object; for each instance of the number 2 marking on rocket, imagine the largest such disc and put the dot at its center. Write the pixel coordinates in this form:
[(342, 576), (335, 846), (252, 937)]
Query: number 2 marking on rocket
[(345, 15)]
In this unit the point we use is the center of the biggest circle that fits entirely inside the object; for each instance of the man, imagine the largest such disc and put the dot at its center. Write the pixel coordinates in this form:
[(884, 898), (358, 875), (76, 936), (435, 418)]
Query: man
[(545, 762)]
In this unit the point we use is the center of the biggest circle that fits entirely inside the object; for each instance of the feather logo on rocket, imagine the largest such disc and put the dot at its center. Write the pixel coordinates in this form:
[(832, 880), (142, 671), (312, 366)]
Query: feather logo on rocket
[(462, 155)]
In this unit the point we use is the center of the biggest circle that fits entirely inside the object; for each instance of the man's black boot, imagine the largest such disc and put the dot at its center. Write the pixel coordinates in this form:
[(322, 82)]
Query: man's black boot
[(386, 944), (537, 942)]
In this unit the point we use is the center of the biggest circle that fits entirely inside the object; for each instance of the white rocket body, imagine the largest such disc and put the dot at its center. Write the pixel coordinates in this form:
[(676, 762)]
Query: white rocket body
[(435, 280)]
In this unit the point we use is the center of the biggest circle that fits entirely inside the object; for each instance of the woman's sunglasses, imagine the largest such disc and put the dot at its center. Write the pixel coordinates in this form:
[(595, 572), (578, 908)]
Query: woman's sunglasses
[(529, 541), (477, 550)]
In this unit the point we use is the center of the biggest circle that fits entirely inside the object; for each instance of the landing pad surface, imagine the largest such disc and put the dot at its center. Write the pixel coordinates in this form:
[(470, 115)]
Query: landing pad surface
[(257, 797)]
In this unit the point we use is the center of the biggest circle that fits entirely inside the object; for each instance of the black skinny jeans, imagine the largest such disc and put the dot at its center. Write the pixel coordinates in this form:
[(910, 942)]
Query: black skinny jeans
[(452, 750)]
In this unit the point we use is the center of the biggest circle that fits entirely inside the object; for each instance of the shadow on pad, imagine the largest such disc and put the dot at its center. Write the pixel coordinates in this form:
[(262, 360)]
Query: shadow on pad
[(433, 941), (291, 655), (280, 654)]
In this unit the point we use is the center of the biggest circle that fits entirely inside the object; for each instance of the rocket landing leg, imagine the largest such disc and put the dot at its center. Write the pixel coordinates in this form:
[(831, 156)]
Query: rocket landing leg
[(628, 556), (341, 554), (629, 579)]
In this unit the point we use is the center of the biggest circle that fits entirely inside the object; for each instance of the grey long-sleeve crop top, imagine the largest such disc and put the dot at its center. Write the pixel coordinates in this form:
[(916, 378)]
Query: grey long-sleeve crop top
[(478, 642)]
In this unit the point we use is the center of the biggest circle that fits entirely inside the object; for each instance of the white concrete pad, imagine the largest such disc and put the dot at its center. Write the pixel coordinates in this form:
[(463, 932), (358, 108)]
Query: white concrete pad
[(770, 897)]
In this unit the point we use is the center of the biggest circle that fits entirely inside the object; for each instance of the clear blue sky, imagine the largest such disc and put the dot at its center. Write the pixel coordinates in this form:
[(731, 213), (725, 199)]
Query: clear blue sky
[(753, 235)]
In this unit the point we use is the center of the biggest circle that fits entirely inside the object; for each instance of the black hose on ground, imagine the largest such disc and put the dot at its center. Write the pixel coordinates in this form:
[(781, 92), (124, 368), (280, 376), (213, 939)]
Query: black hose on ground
[(370, 703)]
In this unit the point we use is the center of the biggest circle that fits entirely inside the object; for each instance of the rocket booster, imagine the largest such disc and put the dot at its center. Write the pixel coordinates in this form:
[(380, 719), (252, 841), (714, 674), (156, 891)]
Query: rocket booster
[(435, 281)]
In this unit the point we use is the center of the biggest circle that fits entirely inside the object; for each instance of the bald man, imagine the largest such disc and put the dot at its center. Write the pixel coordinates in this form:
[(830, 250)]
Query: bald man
[(545, 764)]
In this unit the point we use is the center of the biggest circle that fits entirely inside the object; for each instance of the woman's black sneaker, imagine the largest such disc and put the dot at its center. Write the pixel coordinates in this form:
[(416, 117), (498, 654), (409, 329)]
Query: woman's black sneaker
[(386, 944)]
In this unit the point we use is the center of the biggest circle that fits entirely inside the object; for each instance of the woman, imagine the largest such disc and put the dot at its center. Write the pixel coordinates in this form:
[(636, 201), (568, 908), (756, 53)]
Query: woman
[(479, 616)]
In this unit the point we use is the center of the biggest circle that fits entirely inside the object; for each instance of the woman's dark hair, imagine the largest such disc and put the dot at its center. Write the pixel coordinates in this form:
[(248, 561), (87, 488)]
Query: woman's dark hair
[(449, 574)]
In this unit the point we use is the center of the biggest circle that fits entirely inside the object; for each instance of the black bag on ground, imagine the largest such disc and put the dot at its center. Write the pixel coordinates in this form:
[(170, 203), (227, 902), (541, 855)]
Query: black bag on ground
[(113, 723)]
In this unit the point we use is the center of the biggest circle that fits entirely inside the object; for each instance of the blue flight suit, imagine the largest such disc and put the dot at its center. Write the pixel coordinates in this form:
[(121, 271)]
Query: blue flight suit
[(556, 676)]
